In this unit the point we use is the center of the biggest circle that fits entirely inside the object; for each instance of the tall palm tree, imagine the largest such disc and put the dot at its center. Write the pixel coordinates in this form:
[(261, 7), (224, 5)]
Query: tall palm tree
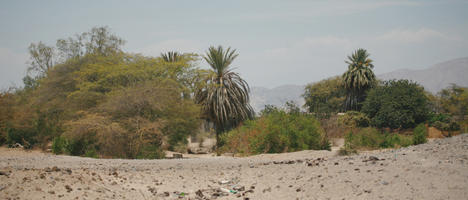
[(225, 95), (358, 79), (171, 56)]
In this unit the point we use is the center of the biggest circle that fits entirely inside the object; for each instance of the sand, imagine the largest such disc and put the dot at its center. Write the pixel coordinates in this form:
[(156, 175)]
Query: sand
[(436, 170)]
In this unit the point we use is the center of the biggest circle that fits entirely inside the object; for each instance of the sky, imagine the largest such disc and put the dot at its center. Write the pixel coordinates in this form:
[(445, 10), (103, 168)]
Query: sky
[(279, 42)]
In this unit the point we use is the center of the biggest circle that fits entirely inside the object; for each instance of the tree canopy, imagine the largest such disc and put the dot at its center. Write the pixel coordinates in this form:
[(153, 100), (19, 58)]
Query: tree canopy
[(358, 78), (396, 104)]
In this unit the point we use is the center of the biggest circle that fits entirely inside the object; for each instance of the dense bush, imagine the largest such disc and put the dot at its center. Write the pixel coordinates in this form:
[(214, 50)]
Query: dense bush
[(371, 138), (325, 97), (396, 104), (96, 100), (274, 132), (443, 122), (420, 134)]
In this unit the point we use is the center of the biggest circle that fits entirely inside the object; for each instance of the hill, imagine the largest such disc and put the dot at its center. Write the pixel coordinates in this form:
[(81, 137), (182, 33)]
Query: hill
[(436, 77), (278, 96)]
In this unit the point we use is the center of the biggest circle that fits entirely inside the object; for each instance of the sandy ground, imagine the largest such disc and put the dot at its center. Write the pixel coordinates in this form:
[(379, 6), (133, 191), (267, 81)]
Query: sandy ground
[(436, 170)]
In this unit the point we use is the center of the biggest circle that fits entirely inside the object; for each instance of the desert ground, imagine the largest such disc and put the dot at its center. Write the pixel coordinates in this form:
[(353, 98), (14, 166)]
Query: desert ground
[(436, 170)]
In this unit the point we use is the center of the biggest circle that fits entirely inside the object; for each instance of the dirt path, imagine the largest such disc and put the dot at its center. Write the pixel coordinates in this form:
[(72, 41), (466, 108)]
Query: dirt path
[(437, 170)]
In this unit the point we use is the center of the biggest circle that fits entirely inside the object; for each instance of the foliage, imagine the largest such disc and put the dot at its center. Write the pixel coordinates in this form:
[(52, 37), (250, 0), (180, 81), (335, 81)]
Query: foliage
[(275, 132), (358, 79), (354, 119), (224, 96), (325, 97), (454, 101), (371, 138), (96, 100), (396, 104), (59, 145), (443, 122), (420, 134)]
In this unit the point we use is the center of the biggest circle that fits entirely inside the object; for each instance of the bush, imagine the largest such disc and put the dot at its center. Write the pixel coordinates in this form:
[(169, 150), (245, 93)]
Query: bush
[(59, 145), (24, 136), (371, 138), (276, 132), (443, 122), (420, 134), (396, 104)]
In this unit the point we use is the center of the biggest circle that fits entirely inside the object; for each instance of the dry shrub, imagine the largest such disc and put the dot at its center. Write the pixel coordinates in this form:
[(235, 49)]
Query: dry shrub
[(92, 132)]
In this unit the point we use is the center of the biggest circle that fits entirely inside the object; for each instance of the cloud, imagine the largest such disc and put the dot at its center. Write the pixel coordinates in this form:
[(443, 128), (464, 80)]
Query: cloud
[(180, 45), (12, 67), (413, 36)]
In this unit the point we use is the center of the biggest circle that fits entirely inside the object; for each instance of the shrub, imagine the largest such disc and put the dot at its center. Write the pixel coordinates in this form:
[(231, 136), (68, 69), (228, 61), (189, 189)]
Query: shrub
[(371, 138), (396, 104), (275, 132), (59, 145), (419, 134), (23, 136)]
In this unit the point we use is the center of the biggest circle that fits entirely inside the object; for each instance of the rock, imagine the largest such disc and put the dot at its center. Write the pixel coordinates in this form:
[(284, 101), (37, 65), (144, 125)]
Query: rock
[(152, 190), (51, 192), (384, 183), (266, 190), (69, 189), (290, 162), (177, 155), (55, 169), (198, 150), (68, 170), (371, 158), (239, 188), (17, 145), (199, 193), (3, 173)]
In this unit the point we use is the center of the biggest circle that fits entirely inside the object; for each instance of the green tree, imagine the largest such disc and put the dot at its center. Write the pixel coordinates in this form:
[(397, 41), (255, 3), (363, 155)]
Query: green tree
[(225, 96), (325, 97), (396, 104), (358, 79)]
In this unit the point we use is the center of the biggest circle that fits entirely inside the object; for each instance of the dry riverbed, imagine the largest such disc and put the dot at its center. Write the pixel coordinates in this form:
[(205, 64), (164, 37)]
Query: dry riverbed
[(436, 170)]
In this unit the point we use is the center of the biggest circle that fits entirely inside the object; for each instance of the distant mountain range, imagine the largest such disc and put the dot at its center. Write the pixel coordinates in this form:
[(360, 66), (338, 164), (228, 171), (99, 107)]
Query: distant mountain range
[(277, 96), (433, 79), (436, 77)]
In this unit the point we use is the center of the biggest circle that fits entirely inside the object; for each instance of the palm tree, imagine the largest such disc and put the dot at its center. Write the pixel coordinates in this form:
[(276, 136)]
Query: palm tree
[(225, 95), (171, 56), (358, 79)]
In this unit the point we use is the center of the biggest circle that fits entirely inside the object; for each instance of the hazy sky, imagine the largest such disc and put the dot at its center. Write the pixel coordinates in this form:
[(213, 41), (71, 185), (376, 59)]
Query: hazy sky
[(279, 42)]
